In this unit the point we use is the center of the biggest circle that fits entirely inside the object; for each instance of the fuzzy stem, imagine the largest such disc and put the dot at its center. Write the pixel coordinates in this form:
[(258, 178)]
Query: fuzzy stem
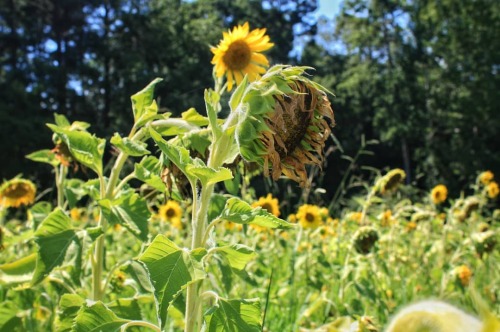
[(60, 177)]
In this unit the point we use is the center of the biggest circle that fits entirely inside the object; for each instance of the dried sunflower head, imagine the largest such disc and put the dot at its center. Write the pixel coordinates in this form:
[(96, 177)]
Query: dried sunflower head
[(282, 123), (17, 192)]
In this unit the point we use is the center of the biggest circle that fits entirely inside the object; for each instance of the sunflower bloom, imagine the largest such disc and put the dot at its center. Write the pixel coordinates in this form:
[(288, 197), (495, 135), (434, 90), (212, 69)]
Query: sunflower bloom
[(439, 194), (486, 177), (309, 216), (269, 204), (171, 212), (282, 123), (239, 54), (17, 192), (493, 190)]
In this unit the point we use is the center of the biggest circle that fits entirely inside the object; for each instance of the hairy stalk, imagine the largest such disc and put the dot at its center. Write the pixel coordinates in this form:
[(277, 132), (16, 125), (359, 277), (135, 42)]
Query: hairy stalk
[(60, 177), (98, 262)]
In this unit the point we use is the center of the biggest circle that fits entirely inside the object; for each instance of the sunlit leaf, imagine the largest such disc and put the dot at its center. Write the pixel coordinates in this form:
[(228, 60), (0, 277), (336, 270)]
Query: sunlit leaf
[(69, 305), (53, 237), (237, 255), (148, 171), (87, 149), (143, 99), (241, 212), (131, 147), (19, 271), (9, 319), (44, 156), (97, 317), (194, 117), (170, 269), (234, 316), (208, 175), (130, 211), (39, 212)]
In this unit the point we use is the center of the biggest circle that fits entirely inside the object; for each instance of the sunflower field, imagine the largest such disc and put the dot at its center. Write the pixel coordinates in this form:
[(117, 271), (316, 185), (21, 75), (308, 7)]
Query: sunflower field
[(170, 231)]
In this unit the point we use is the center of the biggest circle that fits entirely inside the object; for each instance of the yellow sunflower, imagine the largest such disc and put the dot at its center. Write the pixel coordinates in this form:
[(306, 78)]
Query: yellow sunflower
[(238, 54), (439, 194), (17, 192), (309, 216), (354, 216), (492, 189), (463, 274), (269, 204), (386, 218), (172, 213), (486, 177)]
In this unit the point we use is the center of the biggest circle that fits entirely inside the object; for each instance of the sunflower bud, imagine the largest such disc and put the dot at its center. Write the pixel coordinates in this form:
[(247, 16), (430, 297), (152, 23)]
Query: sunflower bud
[(282, 123), (364, 239)]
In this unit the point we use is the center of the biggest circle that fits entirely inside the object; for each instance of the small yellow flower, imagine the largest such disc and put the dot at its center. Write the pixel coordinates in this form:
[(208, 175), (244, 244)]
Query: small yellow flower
[(386, 218), (269, 204), (486, 177), (239, 54), (309, 216), (493, 190), (411, 226), (17, 192), (292, 218), (76, 214), (464, 274), (439, 194), (172, 213), (354, 216)]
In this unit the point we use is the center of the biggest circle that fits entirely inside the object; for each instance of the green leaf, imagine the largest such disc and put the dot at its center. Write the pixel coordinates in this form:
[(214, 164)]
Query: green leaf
[(148, 171), (138, 272), (237, 255), (217, 204), (69, 305), (170, 269), (74, 191), (94, 232), (96, 318), (61, 120), (126, 308), (143, 99), (44, 156), (86, 148), (237, 95), (131, 147), (194, 117), (19, 271), (130, 211), (150, 114), (208, 175), (39, 212), (176, 154), (53, 237), (234, 316), (212, 105), (9, 321), (241, 212)]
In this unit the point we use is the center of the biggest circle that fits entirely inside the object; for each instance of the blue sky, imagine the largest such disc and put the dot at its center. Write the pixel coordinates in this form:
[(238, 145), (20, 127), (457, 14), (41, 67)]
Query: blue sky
[(328, 8)]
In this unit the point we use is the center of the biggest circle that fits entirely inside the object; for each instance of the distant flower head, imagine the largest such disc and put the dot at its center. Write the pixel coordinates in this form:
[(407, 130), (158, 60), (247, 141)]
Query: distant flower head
[(17, 192), (486, 177), (269, 204), (463, 274), (171, 212), (364, 239), (439, 194), (309, 216), (239, 54), (493, 190), (390, 181)]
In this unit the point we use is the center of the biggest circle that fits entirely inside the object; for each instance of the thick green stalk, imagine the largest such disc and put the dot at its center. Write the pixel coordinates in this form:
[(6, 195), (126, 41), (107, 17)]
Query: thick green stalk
[(60, 177), (98, 260)]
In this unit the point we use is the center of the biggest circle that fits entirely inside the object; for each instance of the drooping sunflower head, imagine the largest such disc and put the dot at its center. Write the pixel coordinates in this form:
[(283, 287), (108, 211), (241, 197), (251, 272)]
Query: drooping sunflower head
[(171, 212), (239, 54), (390, 182), (269, 204), (17, 192), (439, 194), (484, 242), (364, 239), (282, 123)]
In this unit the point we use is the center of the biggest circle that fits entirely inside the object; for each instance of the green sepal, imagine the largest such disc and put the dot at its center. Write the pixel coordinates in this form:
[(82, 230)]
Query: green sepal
[(131, 147), (53, 237), (44, 156), (234, 316), (170, 270), (97, 317), (142, 100), (87, 149)]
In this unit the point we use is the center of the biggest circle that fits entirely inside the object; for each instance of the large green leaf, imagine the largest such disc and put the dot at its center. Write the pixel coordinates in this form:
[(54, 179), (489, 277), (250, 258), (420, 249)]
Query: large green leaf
[(237, 255), (69, 305), (170, 269), (241, 212), (39, 212), (19, 271), (129, 210), (176, 154), (143, 99), (86, 148), (44, 156), (148, 171), (9, 320), (74, 191), (234, 316), (53, 237), (126, 308), (208, 175), (194, 117), (97, 318), (131, 147)]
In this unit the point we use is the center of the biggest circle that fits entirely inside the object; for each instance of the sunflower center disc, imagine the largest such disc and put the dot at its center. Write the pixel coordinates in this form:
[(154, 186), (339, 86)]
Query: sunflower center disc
[(309, 217), (170, 213), (238, 55)]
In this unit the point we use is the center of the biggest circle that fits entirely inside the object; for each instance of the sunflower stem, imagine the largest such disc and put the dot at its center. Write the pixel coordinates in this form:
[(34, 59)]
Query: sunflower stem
[(60, 177)]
